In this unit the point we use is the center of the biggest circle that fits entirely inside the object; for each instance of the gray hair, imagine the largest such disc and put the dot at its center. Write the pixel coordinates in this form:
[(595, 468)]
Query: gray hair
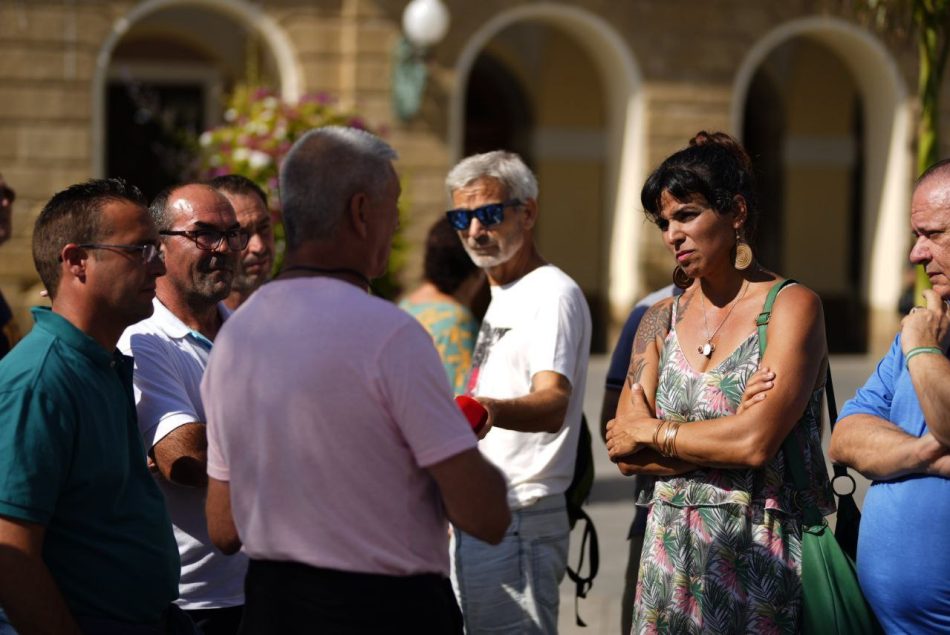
[(505, 167), (324, 170)]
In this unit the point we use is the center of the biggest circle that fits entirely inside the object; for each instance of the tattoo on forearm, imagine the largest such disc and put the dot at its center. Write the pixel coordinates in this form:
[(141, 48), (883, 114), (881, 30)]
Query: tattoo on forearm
[(637, 364), (655, 323)]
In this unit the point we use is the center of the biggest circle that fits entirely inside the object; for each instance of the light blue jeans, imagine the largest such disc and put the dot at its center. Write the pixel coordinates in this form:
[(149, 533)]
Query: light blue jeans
[(513, 587)]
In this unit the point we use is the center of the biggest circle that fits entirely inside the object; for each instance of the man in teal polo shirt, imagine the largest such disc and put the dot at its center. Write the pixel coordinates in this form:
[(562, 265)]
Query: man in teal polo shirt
[(82, 523)]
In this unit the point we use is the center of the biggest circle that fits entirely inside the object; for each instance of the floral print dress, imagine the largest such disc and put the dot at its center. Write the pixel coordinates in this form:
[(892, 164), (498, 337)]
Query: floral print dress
[(722, 550)]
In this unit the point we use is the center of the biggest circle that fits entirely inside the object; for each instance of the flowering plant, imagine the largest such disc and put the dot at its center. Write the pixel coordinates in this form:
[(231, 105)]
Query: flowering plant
[(258, 132)]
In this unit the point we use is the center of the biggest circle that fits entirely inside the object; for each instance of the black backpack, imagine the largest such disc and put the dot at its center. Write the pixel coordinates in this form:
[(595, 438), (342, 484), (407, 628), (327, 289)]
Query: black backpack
[(577, 493)]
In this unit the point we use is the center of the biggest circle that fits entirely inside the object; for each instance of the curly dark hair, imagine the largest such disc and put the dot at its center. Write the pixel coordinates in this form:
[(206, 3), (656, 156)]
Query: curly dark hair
[(447, 265), (714, 165)]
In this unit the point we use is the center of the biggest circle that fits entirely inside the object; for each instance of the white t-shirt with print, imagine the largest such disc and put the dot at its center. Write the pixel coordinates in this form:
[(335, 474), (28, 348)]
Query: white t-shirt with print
[(539, 322)]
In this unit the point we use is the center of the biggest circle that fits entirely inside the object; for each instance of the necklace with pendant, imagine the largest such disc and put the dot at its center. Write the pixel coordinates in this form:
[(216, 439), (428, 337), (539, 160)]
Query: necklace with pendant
[(707, 349)]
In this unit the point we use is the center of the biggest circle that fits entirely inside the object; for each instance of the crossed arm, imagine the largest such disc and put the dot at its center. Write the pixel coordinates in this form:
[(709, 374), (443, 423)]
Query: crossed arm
[(752, 436), (881, 450)]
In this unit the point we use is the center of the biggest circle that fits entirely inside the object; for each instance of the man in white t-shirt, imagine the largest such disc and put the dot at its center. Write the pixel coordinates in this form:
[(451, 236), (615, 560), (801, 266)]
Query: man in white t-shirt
[(201, 242), (529, 369), (338, 466)]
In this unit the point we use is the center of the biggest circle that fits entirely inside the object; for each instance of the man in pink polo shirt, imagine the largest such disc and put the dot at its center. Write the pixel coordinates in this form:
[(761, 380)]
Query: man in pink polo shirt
[(335, 453)]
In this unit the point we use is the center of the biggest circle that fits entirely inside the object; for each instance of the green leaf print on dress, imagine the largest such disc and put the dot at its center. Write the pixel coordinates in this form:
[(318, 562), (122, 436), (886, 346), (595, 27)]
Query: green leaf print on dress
[(722, 550)]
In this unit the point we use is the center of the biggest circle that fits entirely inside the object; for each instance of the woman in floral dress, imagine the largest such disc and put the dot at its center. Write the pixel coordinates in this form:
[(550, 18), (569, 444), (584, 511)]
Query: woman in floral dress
[(705, 415)]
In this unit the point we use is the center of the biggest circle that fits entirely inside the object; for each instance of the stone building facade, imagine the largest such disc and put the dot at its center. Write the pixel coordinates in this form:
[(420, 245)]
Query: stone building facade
[(593, 92)]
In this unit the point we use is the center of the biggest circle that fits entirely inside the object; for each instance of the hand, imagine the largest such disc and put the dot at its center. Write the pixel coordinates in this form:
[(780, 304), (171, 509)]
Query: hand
[(926, 326), (756, 388), (934, 457), (622, 439), (489, 406)]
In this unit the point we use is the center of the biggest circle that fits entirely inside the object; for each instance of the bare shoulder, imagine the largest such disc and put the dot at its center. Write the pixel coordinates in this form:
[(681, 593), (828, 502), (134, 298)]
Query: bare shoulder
[(798, 302), (655, 323)]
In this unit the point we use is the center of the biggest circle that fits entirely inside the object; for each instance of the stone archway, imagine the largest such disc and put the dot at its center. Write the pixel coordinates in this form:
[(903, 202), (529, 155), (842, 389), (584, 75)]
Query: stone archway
[(886, 162), (251, 17), (623, 153)]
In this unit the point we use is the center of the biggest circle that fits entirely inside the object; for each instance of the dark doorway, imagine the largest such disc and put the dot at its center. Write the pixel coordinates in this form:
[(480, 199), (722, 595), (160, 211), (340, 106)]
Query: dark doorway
[(152, 131)]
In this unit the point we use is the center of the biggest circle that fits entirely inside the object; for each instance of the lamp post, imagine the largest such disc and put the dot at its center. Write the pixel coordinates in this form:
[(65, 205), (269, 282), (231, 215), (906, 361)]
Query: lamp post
[(424, 23)]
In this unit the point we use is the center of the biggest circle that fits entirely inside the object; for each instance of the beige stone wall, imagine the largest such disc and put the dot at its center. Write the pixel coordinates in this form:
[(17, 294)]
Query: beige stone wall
[(688, 53)]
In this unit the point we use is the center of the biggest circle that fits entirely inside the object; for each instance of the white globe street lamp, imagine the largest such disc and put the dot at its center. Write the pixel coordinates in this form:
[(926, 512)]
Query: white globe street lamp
[(424, 24)]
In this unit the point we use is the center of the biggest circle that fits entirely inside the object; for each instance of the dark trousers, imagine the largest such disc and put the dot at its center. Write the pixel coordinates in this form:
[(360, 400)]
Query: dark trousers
[(223, 621), (289, 597)]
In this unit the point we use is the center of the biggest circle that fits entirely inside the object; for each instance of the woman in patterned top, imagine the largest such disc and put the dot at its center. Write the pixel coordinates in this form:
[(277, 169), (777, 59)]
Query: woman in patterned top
[(443, 302), (707, 417)]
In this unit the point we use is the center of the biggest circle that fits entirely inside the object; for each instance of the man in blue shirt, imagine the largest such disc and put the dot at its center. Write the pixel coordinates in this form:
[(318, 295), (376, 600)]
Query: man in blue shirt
[(82, 524), (896, 431)]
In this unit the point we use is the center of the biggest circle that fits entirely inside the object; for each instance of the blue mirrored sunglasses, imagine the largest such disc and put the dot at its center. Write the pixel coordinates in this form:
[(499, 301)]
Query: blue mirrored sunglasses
[(487, 215)]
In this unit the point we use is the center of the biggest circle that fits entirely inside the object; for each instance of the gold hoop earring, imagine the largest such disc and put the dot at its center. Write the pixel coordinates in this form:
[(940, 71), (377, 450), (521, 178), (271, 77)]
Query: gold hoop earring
[(680, 279), (743, 253)]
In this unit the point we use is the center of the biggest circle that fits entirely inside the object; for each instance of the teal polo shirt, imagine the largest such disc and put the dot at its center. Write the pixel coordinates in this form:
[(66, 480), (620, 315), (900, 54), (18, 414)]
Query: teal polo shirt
[(71, 459)]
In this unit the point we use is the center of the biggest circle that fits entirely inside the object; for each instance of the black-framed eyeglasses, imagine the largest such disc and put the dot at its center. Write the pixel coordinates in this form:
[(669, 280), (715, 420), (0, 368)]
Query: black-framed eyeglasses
[(149, 252), (487, 215), (210, 239)]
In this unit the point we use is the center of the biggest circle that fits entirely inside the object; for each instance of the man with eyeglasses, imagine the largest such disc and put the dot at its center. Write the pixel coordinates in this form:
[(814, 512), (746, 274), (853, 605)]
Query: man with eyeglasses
[(528, 370), (250, 205), (86, 544), (9, 333), (201, 241)]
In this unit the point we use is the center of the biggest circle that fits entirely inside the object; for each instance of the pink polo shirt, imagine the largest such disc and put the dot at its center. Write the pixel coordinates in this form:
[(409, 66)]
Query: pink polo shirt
[(324, 407)]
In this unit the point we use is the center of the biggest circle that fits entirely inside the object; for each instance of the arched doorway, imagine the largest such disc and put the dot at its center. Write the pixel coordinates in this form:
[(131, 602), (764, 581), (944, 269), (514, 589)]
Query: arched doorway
[(162, 76), (823, 112), (566, 90), (809, 152)]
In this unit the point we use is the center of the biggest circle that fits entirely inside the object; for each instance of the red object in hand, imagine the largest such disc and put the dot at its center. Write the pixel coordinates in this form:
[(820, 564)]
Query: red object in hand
[(475, 412)]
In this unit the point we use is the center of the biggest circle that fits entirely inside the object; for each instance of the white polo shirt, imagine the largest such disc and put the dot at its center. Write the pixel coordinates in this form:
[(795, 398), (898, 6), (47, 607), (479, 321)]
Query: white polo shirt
[(170, 360)]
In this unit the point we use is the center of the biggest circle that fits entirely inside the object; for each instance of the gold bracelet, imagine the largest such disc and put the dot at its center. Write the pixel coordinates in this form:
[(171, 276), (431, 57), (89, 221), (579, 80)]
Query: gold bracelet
[(656, 434), (669, 437), (672, 448)]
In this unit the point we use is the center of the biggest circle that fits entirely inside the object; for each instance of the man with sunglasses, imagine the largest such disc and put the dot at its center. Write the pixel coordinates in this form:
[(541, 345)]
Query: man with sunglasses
[(86, 544), (9, 334), (529, 370), (202, 242)]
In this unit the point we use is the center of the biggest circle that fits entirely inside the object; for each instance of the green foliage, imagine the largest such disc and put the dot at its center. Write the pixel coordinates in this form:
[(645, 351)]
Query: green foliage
[(928, 22), (258, 132)]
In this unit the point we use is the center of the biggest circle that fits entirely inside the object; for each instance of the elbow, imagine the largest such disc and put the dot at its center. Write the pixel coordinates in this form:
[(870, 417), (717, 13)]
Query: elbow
[(228, 543), (758, 452), (626, 469)]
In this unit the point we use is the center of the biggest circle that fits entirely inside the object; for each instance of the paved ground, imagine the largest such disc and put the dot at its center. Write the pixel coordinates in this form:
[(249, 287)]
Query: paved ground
[(611, 505)]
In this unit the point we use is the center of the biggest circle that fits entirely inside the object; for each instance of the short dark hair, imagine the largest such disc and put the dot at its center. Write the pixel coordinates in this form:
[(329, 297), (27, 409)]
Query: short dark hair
[(713, 165), (238, 184), (74, 215), (447, 265)]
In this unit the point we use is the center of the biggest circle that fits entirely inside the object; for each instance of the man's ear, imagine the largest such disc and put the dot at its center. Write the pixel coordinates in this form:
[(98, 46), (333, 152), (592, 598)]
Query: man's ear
[(357, 214), (74, 259), (530, 213)]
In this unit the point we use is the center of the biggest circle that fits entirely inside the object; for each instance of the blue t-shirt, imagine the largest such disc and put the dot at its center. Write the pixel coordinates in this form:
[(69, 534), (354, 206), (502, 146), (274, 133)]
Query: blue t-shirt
[(903, 548)]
